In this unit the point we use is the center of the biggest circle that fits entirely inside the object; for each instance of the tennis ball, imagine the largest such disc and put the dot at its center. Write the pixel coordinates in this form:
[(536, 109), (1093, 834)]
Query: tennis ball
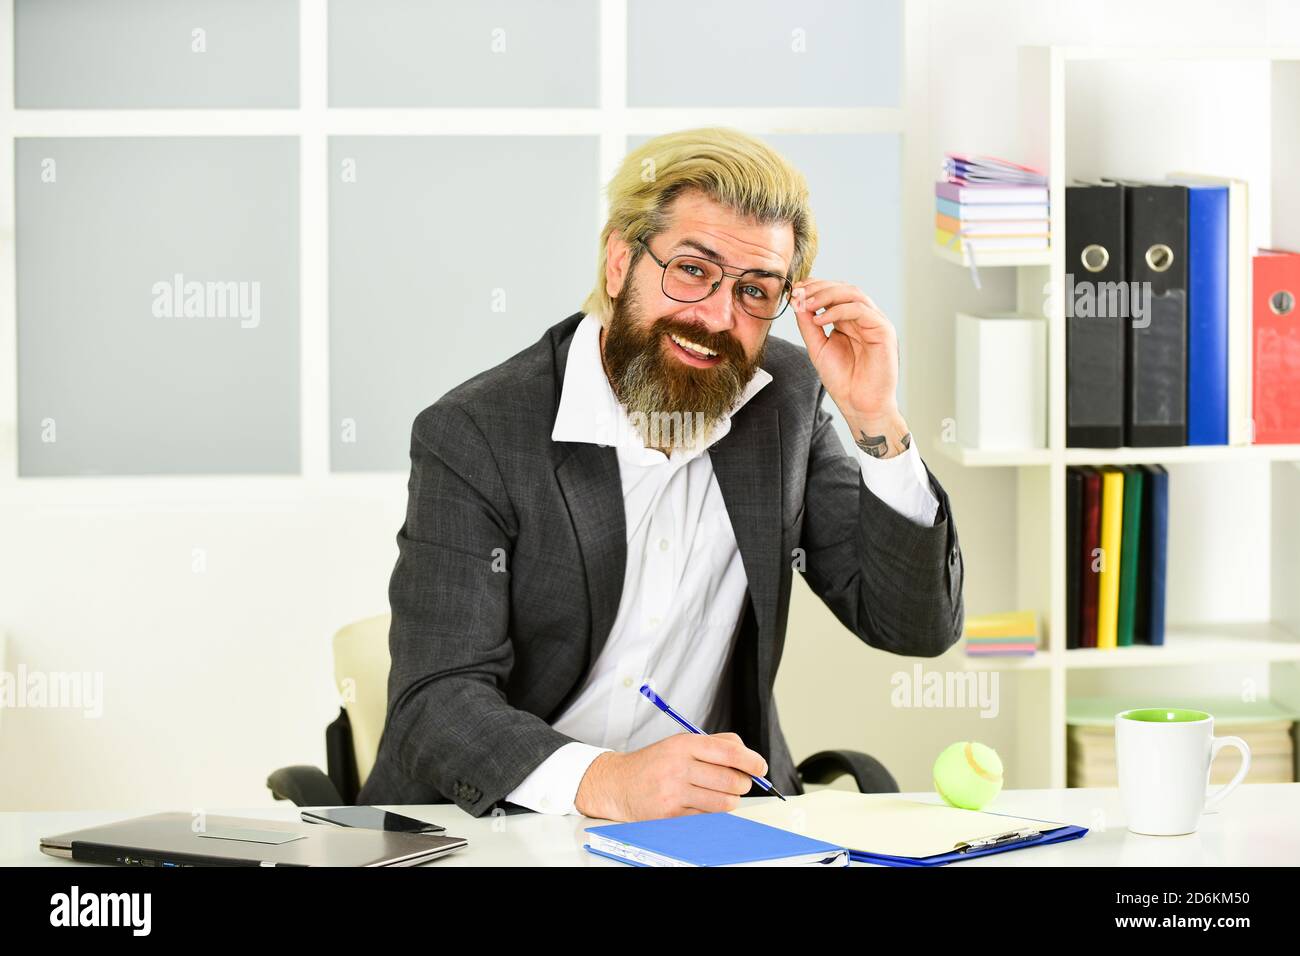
[(968, 775)]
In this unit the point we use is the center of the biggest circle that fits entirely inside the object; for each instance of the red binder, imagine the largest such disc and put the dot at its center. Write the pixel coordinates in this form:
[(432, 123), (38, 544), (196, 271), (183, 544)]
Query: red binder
[(1276, 310), (1090, 541)]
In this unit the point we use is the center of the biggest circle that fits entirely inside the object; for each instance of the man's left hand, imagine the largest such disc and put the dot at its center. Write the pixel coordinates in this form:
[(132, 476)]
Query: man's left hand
[(857, 362)]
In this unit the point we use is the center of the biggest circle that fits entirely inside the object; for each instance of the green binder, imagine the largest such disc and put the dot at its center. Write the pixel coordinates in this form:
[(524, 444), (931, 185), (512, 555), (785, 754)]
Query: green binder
[(1128, 561)]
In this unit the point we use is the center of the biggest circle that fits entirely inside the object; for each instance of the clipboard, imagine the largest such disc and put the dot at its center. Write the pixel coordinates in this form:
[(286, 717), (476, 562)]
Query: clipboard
[(1059, 834), (896, 832)]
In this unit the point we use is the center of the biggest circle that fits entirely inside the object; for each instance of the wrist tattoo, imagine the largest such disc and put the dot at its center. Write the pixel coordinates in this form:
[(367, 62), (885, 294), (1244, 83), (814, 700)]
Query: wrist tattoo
[(873, 445), (877, 447)]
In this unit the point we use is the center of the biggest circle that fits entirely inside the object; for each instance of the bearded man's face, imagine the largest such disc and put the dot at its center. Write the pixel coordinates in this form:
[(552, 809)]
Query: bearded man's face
[(656, 349)]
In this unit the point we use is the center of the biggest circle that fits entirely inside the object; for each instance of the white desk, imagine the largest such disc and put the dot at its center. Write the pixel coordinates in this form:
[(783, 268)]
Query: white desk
[(1258, 825)]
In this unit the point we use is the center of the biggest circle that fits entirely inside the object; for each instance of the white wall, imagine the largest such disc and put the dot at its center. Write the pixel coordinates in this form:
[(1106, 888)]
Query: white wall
[(216, 667)]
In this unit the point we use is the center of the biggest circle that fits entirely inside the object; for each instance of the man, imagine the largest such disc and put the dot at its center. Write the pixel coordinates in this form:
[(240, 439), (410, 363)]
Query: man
[(625, 502)]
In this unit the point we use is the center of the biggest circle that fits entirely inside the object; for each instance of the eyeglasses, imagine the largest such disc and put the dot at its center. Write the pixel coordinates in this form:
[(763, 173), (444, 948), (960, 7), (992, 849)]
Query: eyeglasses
[(764, 295)]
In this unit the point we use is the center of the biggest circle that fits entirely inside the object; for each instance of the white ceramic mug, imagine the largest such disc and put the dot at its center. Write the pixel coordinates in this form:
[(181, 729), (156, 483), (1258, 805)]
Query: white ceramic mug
[(1163, 755)]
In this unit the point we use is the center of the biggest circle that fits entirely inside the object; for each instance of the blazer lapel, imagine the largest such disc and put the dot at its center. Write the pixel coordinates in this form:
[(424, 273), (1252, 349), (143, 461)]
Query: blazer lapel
[(593, 492), (747, 464)]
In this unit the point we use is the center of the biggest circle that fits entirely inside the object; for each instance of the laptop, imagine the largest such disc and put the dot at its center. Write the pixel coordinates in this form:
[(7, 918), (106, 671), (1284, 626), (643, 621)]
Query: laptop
[(171, 840)]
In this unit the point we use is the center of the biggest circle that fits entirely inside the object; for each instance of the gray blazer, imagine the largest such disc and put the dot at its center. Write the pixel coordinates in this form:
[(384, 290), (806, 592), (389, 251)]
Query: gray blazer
[(512, 555)]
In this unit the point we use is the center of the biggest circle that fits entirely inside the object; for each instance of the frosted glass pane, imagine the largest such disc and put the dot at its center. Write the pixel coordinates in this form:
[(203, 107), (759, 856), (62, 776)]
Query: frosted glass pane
[(485, 53), (135, 54), (764, 53), (157, 305), (447, 256)]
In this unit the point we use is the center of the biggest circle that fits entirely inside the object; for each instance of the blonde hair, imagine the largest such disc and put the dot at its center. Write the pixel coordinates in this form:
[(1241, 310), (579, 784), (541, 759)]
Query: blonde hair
[(733, 169)]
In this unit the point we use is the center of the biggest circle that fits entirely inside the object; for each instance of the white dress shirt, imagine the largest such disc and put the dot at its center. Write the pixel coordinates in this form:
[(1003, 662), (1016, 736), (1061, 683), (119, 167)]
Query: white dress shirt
[(684, 587)]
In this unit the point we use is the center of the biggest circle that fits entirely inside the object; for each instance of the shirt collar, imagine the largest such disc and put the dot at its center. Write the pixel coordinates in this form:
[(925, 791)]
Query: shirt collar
[(589, 411)]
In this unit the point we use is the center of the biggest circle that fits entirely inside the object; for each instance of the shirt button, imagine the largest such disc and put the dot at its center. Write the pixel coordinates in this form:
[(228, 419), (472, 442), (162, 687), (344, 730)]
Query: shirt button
[(546, 803), (627, 682), (653, 622), (663, 544)]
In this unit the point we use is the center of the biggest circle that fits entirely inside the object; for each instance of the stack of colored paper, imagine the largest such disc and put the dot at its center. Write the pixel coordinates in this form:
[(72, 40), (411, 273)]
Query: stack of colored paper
[(1014, 634), (989, 170), (991, 205)]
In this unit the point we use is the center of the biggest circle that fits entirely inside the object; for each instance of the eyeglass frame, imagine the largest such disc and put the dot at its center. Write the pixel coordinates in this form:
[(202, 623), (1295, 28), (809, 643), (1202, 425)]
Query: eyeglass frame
[(789, 286)]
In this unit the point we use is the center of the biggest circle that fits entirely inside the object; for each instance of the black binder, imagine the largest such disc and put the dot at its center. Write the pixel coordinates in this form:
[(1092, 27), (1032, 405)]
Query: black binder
[(1073, 529), (1094, 344), (1155, 400)]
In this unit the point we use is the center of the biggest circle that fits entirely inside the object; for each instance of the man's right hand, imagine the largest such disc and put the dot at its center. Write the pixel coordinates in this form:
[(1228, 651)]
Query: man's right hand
[(685, 773)]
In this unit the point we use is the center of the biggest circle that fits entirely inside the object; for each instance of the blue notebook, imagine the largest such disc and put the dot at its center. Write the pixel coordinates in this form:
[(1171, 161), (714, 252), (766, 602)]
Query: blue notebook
[(710, 839)]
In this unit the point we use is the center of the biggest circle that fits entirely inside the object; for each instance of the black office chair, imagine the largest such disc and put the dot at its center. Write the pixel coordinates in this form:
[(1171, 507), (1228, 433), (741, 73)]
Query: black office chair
[(306, 786), (361, 664)]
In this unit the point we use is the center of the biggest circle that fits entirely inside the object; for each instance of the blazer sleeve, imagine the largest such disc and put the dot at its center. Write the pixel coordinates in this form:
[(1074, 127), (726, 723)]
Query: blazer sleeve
[(449, 726), (894, 583)]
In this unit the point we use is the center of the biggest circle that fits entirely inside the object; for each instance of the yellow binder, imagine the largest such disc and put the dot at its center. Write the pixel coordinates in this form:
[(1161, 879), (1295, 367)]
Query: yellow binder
[(1112, 526)]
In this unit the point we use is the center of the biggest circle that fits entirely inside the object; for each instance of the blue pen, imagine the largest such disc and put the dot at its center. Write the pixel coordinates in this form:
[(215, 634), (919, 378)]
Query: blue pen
[(662, 704)]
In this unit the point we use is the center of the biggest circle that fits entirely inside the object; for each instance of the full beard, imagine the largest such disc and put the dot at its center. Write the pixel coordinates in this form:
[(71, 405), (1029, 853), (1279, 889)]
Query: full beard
[(672, 404)]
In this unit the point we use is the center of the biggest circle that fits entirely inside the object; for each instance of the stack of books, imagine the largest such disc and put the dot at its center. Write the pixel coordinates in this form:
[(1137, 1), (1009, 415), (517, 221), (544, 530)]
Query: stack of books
[(1117, 538), (988, 205), (1269, 732), (1002, 635)]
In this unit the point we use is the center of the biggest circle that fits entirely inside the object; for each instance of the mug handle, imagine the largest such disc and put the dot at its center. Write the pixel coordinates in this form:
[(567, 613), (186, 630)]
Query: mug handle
[(1218, 744)]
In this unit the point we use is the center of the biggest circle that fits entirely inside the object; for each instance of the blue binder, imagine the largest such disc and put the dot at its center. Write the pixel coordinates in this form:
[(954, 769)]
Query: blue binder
[(1153, 557), (1207, 315)]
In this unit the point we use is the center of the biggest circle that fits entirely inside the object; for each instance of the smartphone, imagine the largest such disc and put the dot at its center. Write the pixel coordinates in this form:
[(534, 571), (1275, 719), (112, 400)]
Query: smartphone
[(370, 818)]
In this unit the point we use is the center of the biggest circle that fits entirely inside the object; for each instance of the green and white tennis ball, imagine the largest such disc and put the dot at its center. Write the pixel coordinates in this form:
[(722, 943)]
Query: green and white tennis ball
[(968, 775)]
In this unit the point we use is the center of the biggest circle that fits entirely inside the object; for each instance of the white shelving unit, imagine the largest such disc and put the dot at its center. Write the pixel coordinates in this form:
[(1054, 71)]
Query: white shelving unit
[(994, 259), (1190, 454), (1143, 112)]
